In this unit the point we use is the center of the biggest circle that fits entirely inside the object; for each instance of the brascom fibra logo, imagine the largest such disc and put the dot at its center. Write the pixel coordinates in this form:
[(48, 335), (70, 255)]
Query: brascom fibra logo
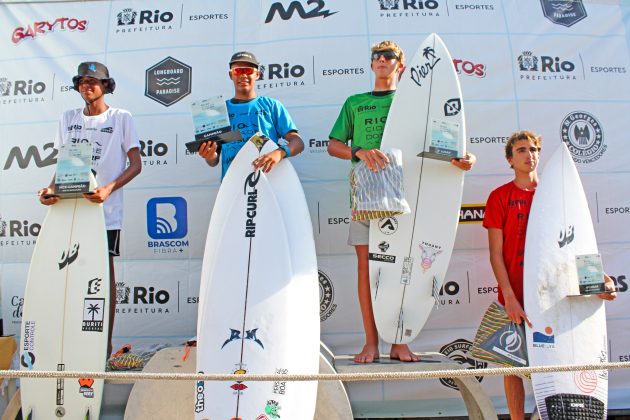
[(167, 224)]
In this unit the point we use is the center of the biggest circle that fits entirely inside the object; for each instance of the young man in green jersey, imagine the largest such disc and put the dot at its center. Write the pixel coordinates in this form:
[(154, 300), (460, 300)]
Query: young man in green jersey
[(361, 122)]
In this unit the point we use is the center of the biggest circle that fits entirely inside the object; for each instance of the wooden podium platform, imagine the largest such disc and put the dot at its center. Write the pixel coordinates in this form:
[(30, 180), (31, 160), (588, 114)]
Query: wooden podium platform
[(477, 402), (173, 400)]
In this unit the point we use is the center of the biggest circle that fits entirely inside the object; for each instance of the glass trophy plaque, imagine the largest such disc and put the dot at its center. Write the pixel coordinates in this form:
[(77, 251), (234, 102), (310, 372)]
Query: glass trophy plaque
[(74, 164)]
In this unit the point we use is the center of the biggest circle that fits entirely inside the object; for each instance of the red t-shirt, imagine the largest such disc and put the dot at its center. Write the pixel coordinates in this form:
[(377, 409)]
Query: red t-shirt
[(508, 209)]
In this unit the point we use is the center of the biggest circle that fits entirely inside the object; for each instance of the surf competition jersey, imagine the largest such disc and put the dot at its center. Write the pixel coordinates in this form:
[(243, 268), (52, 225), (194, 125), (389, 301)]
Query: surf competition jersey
[(362, 119), (508, 209), (112, 134), (263, 114)]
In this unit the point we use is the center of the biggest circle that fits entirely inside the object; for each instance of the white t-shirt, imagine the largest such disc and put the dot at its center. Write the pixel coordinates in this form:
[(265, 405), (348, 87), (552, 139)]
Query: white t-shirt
[(112, 134)]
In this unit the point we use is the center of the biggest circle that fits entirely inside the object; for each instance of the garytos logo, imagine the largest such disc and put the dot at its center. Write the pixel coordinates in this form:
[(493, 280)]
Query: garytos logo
[(409, 8), (313, 9), (564, 12), (283, 75), (142, 299), (18, 232), (17, 91), (545, 67), (37, 29), (584, 136), (469, 68), (129, 20)]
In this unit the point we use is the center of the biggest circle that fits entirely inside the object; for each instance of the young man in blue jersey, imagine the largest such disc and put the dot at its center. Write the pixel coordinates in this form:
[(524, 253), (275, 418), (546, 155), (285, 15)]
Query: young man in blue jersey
[(250, 113)]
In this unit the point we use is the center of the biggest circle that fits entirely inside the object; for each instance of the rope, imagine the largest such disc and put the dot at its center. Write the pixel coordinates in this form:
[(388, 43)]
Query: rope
[(346, 377)]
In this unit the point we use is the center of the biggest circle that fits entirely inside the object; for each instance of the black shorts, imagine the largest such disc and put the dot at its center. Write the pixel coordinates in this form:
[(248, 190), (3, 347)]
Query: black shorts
[(113, 241)]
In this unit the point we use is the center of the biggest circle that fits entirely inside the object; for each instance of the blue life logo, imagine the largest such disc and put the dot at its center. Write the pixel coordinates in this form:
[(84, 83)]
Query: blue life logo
[(167, 217)]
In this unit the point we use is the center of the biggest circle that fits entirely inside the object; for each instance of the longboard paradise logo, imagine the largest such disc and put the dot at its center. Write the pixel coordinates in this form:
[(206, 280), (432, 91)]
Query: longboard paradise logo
[(43, 27), (564, 12), (168, 81)]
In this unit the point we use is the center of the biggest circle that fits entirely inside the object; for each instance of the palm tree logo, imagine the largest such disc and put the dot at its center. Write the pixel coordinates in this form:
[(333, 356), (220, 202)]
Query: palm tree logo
[(93, 314), (93, 309)]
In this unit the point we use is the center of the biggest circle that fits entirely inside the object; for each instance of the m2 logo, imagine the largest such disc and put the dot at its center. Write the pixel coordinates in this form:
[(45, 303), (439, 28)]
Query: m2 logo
[(296, 6), (23, 160)]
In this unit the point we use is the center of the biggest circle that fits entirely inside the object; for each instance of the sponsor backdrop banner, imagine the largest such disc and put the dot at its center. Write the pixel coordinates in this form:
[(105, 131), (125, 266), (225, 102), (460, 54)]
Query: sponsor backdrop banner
[(558, 67)]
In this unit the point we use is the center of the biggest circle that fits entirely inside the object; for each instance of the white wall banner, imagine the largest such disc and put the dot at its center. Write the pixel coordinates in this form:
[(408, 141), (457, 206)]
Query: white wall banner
[(558, 67)]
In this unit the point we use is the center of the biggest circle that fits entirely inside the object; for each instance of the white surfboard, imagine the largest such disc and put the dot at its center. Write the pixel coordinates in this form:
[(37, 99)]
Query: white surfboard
[(566, 330), (409, 254), (259, 312), (66, 306)]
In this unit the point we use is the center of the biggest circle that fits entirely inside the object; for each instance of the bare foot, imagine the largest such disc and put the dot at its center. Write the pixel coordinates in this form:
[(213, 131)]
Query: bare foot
[(401, 352), (369, 354)]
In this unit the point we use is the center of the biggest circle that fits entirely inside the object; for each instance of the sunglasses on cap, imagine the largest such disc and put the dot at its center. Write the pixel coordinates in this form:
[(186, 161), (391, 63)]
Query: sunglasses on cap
[(388, 54), (239, 71)]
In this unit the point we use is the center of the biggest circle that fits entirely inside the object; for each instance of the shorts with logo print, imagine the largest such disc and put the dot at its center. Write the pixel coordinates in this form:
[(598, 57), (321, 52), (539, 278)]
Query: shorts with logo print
[(359, 232), (113, 242)]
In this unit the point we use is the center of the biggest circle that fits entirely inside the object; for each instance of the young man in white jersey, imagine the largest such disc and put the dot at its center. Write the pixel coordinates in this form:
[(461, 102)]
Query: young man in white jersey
[(114, 139)]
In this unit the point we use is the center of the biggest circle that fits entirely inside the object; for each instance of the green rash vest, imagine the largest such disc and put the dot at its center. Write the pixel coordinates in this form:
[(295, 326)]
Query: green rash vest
[(362, 120)]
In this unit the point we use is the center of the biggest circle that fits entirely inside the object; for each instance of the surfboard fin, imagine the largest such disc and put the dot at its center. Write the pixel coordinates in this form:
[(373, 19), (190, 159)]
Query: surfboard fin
[(401, 325), (378, 281), (435, 292), (87, 415), (30, 415)]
